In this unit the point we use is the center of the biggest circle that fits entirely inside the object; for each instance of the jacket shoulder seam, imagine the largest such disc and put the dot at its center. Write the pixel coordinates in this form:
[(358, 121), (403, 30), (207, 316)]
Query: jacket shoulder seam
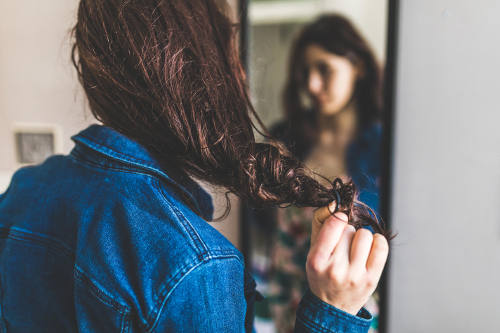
[(177, 279), (194, 235)]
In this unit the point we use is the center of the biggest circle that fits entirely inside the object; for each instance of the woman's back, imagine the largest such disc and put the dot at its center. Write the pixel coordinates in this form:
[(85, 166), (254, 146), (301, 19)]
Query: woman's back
[(105, 226)]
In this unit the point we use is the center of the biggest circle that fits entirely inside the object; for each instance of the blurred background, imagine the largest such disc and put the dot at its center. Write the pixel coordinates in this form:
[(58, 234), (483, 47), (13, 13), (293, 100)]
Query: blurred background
[(437, 181)]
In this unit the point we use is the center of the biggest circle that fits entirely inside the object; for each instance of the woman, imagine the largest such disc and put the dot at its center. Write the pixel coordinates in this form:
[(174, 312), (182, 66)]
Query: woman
[(113, 237), (332, 103)]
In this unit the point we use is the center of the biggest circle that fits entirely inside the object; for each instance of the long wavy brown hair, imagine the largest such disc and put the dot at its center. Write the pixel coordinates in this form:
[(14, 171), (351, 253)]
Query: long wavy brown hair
[(168, 75)]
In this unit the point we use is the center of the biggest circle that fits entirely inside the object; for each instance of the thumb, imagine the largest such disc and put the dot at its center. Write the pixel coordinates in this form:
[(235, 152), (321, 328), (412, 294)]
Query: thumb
[(321, 215)]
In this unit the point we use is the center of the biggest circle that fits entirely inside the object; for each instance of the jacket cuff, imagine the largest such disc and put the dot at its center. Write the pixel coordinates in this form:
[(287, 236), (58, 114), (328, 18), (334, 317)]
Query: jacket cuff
[(314, 315)]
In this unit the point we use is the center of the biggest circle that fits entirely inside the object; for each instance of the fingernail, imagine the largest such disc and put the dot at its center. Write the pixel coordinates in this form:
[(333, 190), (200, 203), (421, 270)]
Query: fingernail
[(341, 216), (332, 206)]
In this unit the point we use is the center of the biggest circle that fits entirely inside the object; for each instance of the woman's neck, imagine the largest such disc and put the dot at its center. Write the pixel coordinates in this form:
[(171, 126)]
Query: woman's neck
[(338, 129), (336, 132)]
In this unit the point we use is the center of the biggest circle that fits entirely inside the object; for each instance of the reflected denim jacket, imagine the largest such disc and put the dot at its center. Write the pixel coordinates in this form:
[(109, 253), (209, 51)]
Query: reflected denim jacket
[(101, 240)]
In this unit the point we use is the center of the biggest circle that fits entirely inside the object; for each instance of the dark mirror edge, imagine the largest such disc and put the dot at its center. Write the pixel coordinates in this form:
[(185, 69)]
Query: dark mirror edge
[(388, 148)]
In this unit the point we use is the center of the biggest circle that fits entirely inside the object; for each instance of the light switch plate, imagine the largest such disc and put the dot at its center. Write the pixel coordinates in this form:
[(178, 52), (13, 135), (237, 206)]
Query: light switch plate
[(35, 142)]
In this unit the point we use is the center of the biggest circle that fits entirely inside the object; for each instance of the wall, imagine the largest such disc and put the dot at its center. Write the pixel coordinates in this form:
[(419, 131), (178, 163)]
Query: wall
[(446, 259), (38, 84), (370, 16)]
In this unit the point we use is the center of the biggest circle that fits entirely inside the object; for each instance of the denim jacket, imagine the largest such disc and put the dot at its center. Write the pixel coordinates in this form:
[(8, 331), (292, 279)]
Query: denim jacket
[(101, 240)]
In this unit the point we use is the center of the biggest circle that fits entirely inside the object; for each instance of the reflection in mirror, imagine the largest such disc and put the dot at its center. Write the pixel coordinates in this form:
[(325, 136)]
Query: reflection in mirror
[(315, 70)]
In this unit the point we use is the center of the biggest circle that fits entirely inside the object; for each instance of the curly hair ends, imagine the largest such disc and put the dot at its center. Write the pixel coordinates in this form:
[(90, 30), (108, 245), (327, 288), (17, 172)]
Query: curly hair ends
[(167, 74)]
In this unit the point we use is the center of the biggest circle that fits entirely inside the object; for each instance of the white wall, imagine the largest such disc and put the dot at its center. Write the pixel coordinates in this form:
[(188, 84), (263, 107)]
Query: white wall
[(446, 260), (370, 16), (38, 84)]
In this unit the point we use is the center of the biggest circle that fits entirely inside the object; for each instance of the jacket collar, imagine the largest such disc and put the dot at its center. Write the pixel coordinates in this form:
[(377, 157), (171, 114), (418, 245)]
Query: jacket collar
[(114, 145)]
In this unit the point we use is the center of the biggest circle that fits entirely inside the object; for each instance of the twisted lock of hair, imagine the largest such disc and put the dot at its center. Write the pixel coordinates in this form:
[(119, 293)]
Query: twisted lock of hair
[(274, 177), (168, 75)]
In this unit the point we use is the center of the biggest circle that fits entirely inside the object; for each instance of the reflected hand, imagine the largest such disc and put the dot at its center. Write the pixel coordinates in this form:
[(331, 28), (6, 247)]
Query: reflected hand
[(344, 265)]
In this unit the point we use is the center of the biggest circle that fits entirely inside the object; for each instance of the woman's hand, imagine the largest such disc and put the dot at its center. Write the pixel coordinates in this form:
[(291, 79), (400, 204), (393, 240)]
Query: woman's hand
[(344, 265)]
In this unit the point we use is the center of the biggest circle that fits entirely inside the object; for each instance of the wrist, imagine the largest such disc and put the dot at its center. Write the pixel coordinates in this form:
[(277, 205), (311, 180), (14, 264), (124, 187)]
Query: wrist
[(314, 312), (341, 305)]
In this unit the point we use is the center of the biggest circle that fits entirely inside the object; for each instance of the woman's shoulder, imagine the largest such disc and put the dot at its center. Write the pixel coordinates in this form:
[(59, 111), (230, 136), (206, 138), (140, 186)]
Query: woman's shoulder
[(133, 235), (372, 133), (367, 145), (149, 240)]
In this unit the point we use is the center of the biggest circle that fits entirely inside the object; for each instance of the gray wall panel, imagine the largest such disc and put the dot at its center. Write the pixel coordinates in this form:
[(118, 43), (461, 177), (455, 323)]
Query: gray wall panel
[(445, 268)]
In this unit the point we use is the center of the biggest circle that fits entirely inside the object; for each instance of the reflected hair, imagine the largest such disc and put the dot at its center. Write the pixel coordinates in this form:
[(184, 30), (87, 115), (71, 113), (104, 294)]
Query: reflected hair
[(167, 74), (337, 35)]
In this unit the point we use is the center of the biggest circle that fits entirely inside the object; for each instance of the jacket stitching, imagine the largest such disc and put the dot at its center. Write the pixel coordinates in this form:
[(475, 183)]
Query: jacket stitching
[(26, 236), (312, 325), (130, 159), (341, 316), (169, 283), (98, 292), (189, 269), (102, 297), (145, 169), (131, 170), (156, 183), (203, 255), (113, 153), (92, 165), (125, 323), (192, 231), (52, 244)]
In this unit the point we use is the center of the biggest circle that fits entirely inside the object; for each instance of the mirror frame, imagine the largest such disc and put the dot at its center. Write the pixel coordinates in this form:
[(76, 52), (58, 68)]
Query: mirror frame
[(388, 147)]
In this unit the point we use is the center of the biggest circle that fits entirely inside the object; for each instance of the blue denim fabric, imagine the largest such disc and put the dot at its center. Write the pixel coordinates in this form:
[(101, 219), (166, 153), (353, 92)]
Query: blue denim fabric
[(363, 161), (101, 241)]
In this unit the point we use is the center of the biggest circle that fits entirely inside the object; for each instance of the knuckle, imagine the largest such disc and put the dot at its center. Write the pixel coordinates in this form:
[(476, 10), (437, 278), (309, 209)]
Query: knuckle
[(354, 284), (335, 278), (371, 284), (314, 265), (356, 281)]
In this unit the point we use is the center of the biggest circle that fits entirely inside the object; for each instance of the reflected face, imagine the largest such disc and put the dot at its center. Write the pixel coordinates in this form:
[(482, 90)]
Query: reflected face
[(330, 79)]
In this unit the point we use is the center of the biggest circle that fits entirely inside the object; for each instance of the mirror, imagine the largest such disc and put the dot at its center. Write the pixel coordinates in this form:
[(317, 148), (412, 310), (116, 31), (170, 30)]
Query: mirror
[(315, 75)]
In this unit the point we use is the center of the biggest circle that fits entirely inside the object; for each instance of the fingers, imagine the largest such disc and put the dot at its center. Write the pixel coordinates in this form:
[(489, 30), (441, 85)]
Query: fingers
[(378, 256), (320, 216), (344, 265), (322, 213), (340, 256), (360, 249), (327, 239)]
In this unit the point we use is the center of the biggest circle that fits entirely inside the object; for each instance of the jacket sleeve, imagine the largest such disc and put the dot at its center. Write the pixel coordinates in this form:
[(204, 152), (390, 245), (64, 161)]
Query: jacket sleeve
[(210, 298), (314, 315)]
